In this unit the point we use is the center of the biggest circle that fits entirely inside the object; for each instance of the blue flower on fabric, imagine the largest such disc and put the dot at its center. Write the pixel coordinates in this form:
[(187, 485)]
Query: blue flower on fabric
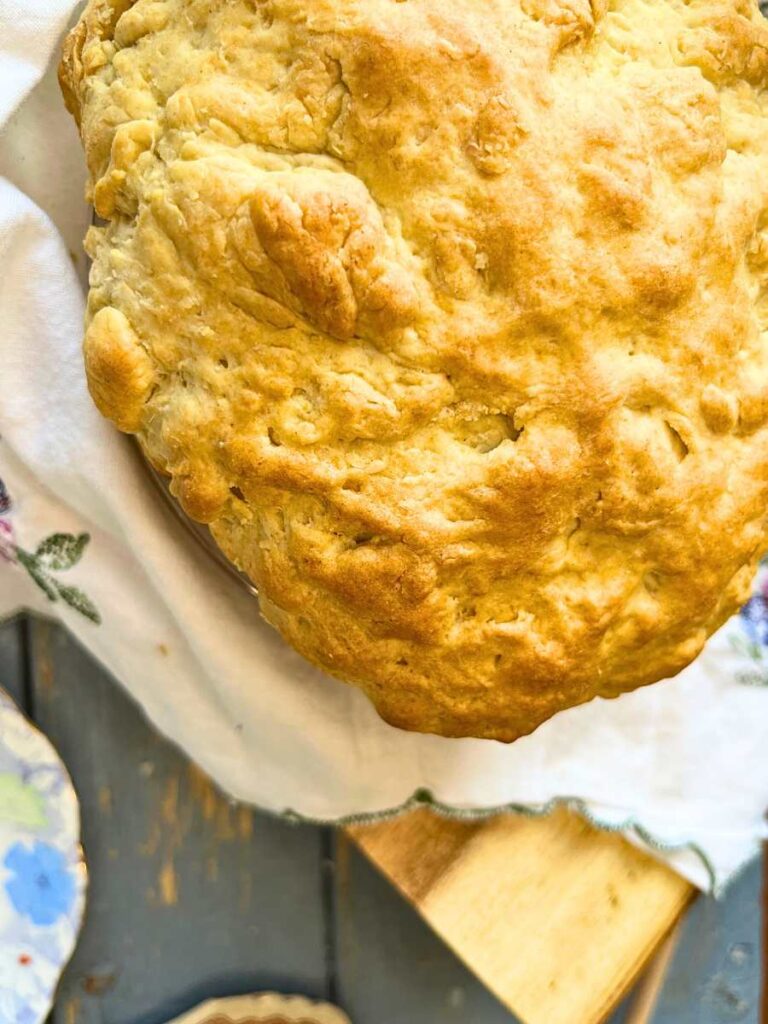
[(42, 887), (754, 617)]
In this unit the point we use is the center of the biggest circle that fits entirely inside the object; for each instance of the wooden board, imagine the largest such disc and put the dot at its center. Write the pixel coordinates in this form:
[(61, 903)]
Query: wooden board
[(391, 967), (555, 917)]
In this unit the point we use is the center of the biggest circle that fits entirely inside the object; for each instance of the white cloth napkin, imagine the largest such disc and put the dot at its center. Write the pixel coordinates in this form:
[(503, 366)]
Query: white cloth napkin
[(680, 765)]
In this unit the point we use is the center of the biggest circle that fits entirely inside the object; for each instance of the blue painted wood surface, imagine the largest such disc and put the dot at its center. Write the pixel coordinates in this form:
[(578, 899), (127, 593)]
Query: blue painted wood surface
[(12, 658), (193, 897)]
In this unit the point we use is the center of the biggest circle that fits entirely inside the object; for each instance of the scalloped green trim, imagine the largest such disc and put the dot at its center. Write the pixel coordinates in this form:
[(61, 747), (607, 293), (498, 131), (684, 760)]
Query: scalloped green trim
[(423, 797)]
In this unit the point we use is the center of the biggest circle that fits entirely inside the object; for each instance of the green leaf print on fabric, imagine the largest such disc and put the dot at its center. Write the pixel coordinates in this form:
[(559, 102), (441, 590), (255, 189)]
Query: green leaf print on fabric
[(75, 598), (41, 578), (59, 551), (56, 553), (21, 804)]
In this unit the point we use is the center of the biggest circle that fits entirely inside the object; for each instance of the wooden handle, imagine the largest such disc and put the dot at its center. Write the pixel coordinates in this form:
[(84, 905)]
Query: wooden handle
[(554, 916), (648, 989)]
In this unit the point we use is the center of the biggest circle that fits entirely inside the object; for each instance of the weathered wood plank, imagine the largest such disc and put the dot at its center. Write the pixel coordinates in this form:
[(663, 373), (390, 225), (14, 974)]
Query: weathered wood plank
[(190, 897), (556, 918), (12, 658)]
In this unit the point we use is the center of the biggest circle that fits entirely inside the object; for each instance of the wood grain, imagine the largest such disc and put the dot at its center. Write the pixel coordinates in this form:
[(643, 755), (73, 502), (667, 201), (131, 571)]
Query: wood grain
[(554, 916)]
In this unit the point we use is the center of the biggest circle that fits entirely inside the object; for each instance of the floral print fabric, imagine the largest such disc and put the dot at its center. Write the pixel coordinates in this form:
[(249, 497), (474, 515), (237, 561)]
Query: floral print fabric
[(54, 554)]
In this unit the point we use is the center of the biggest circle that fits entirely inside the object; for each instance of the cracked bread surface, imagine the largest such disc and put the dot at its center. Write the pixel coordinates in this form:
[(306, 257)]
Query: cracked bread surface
[(449, 320)]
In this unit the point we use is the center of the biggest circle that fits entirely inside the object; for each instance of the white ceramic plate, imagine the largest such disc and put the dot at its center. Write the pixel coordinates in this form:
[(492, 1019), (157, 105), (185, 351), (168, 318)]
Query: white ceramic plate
[(42, 871)]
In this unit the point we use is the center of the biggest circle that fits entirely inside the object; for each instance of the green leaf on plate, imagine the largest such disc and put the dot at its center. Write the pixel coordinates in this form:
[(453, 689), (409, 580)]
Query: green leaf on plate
[(21, 803)]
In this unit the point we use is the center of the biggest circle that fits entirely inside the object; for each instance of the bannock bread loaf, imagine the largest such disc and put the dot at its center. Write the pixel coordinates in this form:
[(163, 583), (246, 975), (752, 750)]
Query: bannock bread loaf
[(449, 319)]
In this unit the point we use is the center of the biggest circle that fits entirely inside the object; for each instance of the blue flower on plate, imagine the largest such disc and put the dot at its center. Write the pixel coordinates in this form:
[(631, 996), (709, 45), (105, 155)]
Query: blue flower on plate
[(16, 1010), (42, 887)]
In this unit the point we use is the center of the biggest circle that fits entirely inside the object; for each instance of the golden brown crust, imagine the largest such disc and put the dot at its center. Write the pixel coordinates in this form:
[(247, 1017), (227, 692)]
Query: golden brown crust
[(120, 373), (450, 319)]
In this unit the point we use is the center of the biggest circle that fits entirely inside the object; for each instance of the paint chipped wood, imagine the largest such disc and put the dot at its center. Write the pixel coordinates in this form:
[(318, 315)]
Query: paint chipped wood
[(171, 930), (12, 659)]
